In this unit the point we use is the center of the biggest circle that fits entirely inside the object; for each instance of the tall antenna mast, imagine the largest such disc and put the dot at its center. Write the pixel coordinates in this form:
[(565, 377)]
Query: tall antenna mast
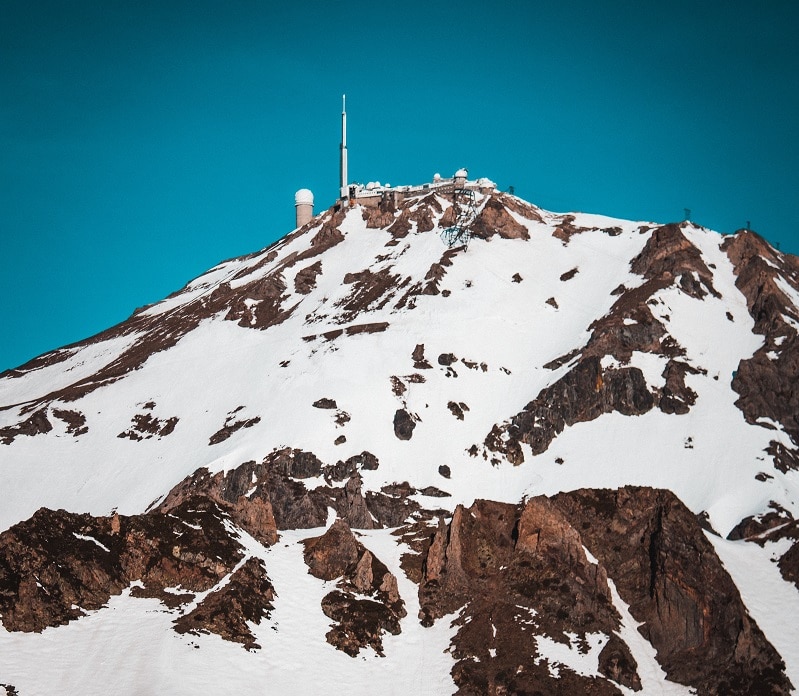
[(343, 184)]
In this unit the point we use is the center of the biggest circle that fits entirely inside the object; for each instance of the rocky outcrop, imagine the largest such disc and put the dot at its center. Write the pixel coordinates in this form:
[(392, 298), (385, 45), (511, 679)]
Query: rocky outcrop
[(583, 394), (305, 280), (144, 426), (494, 218), (404, 424), (775, 525), (766, 381), (366, 602), (232, 425), (668, 573), (75, 420), (271, 495), (370, 291), (588, 390), (57, 565), (245, 598), (35, 424), (517, 572)]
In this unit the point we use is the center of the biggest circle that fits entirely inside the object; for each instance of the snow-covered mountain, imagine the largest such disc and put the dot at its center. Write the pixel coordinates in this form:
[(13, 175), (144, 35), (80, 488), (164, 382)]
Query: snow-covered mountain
[(562, 459)]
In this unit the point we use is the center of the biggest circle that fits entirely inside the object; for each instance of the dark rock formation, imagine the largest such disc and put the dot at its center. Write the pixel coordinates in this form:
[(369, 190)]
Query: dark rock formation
[(404, 424), (57, 565), (247, 597), (775, 525), (494, 218), (521, 571), (144, 426), (35, 424), (264, 497), (75, 420), (324, 402), (667, 572), (419, 361), (359, 622), (517, 573), (583, 394), (305, 280), (767, 381), (588, 390)]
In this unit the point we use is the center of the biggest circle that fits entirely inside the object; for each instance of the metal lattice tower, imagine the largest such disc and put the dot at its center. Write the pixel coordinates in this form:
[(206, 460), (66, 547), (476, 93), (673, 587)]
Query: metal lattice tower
[(465, 208)]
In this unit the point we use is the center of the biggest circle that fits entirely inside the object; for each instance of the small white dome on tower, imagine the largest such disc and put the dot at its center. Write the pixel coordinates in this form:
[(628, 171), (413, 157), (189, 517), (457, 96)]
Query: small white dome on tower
[(436, 177), (303, 197), (461, 173)]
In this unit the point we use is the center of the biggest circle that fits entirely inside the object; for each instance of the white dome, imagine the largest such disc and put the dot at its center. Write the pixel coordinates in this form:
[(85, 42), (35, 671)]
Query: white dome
[(461, 173), (303, 197)]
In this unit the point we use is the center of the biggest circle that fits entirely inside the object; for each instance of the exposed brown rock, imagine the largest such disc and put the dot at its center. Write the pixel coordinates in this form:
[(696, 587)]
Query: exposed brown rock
[(520, 207), (232, 425), (359, 622), (766, 381), (344, 469), (568, 275), (329, 556), (587, 390), (437, 271), (145, 425), (404, 424), (229, 491), (669, 255), (775, 525), (520, 571), (57, 565), (305, 280), (392, 507), (419, 361), (324, 403), (246, 597), (667, 572), (75, 420), (494, 218), (517, 573), (582, 394), (267, 496), (457, 409), (370, 291), (352, 504), (35, 424), (757, 525)]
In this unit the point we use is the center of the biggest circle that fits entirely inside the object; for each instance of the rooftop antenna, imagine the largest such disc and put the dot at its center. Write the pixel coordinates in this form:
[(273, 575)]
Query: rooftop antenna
[(343, 183)]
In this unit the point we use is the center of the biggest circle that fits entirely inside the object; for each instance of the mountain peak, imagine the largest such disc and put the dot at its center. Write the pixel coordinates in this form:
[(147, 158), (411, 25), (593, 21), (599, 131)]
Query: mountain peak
[(443, 395)]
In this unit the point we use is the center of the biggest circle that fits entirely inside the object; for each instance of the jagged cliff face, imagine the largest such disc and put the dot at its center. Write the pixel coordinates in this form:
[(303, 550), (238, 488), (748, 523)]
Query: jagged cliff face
[(507, 469)]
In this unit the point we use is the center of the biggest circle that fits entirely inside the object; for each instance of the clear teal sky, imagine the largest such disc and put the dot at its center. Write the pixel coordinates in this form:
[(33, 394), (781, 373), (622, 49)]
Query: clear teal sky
[(142, 142)]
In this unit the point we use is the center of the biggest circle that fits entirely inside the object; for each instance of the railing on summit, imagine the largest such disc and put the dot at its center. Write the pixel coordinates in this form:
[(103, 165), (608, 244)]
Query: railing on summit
[(465, 208)]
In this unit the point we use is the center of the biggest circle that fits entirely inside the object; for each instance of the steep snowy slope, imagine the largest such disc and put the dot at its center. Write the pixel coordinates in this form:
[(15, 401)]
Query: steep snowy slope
[(359, 368)]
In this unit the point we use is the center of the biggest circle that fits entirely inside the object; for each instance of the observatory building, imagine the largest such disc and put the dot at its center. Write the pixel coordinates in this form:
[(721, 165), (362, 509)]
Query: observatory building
[(303, 202), (374, 194)]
